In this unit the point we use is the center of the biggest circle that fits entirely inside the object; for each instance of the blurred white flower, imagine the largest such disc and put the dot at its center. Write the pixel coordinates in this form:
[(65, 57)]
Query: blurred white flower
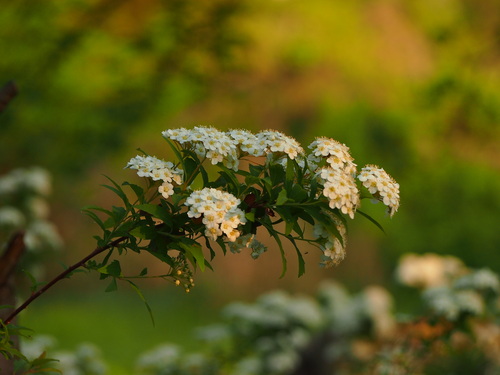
[(154, 361), (379, 303), (428, 270), (11, 218), (483, 279), (443, 301), (34, 347), (42, 235)]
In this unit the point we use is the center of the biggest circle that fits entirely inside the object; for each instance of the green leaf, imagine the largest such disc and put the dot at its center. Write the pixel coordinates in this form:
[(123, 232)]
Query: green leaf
[(277, 174), (112, 269), (255, 170), (313, 188), (325, 220), (144, 232), (300, 258), (34, 284), (250, 216), (290, 173), (282, 197), (112, 286), (177, 154), (124, 229), (287, 217), (298, 193), (222, 245), (204, 176), (119, 213), (160, 212), (372, 220), (141, 296), (252, 180), (230, 177), (118, 191), (95, 218), (195, 251), (192, 168), (306, 217), (139, 191), (273, 234), (144, 272)]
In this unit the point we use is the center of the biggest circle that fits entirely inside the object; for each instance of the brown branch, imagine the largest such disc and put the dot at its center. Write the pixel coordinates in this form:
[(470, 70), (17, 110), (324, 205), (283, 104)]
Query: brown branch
[(7, 93), (10, 258), (63, 275)]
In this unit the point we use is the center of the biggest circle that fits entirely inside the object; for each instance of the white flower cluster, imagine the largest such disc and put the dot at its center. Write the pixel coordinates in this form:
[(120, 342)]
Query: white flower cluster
[(276, 141), (451, 303), (336, 154), (265, 142), (450, 288), (23, 206), (333, 249), (483, 279), (341, 190), (149, 166), (337, 176), (220, 211), (207, 142), (381, 185), (85, 359)]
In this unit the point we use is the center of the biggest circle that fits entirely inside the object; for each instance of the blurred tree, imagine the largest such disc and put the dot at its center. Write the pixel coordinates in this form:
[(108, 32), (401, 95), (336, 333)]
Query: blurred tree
[(89, 71)]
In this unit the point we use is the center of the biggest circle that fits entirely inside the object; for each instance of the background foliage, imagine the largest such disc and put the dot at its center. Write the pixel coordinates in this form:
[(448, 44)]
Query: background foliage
[(413, 86)]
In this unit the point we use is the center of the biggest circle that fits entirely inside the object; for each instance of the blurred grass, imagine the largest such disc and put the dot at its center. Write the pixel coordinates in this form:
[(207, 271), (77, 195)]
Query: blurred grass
[(119, 323)]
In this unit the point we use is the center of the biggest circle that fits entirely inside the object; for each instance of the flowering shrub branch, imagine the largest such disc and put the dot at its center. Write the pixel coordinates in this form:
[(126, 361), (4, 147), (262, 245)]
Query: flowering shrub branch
[(221, 188), (262, 180)]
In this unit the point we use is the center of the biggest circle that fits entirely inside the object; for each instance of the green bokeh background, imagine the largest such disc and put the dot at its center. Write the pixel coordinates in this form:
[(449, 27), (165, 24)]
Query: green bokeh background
[(413, 86)]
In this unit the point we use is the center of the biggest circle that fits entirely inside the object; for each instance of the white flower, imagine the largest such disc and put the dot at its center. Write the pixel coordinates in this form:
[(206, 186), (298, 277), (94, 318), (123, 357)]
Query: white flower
[(381, 185)]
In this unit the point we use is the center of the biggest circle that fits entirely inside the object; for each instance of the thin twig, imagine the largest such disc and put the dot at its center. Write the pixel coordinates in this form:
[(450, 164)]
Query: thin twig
[(63, 275)]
